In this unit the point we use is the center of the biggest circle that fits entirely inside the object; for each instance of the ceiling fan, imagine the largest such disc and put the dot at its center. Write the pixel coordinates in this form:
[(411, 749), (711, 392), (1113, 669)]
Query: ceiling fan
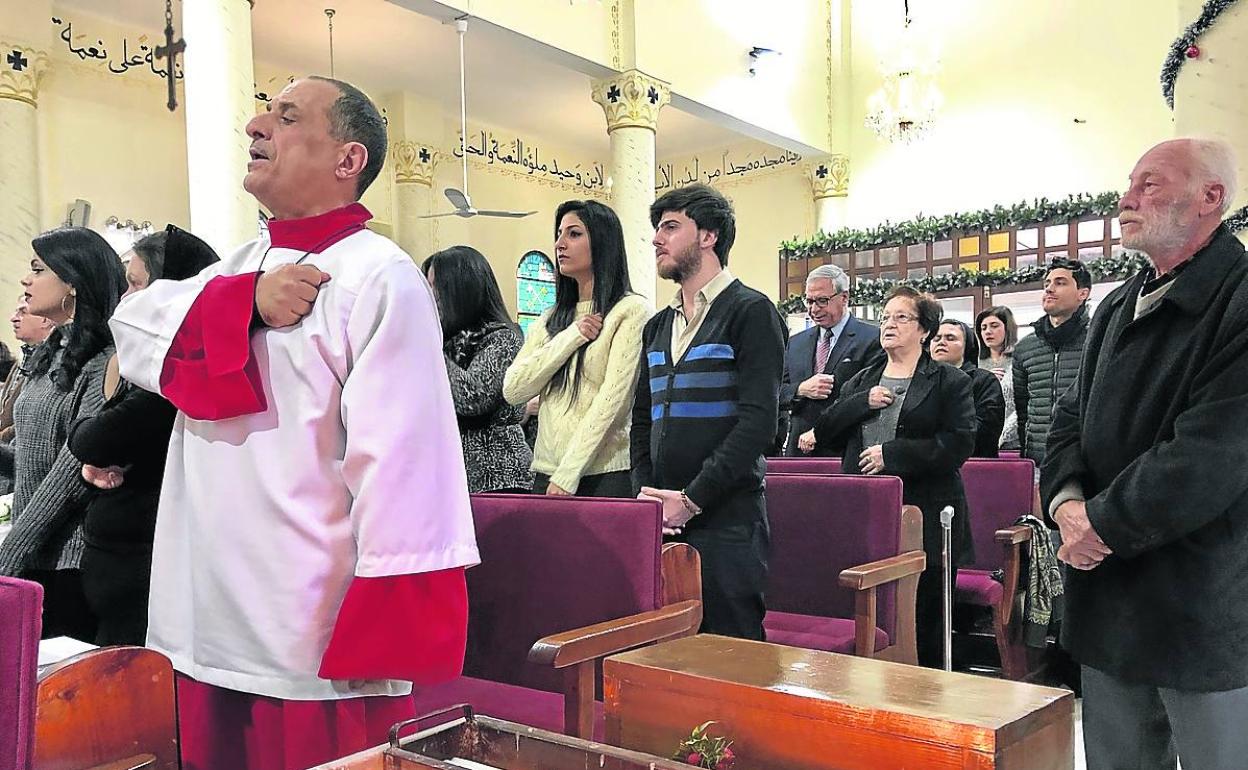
[(459, 199)]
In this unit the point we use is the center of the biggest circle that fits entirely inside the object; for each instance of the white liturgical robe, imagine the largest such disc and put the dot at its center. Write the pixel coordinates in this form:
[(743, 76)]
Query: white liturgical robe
[(349, 467)]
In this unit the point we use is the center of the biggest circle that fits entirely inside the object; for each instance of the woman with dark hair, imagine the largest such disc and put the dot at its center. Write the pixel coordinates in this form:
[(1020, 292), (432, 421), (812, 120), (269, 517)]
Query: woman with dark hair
[(75, 282), (479, 342), (912, 417), (123, 450), (998, 334), (955, 344), (581, 357)]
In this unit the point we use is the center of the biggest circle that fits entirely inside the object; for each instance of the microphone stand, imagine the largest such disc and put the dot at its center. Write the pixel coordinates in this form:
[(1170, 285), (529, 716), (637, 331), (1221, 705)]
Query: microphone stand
[(946, 526)]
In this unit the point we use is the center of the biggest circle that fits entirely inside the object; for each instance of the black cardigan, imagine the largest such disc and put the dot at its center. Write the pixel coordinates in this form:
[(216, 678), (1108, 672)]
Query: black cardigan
[(935, 435), (704, 423), (130, 431)]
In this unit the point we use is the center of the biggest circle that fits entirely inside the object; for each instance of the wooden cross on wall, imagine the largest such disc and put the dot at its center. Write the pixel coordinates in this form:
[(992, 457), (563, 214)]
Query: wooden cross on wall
[(170, 51)]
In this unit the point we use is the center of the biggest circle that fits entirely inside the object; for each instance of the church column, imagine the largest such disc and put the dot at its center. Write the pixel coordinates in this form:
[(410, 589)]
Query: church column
[(829, 183), (631, 101), (414, 164), (1208, 92), (21, 66), (220, 98)]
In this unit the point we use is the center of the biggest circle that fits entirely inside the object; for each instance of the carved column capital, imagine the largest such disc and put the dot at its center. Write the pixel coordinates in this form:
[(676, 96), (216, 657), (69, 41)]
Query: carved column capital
[(631, 99), (829, 177), (414, 162), (20, 69)]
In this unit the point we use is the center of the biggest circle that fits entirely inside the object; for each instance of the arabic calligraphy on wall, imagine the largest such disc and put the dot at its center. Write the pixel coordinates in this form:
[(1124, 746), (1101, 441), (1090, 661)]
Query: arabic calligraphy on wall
[(732, 166), (136, 54), (124, 58), (520, 155)]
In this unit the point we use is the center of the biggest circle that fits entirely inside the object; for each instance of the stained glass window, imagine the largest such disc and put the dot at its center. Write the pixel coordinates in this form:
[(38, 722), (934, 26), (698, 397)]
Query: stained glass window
[(535, 287)]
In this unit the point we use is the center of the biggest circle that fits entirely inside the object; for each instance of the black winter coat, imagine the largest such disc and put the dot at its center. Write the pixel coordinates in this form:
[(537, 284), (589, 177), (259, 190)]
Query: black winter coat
[(1045, 365), (935, 435), (1155, 434)]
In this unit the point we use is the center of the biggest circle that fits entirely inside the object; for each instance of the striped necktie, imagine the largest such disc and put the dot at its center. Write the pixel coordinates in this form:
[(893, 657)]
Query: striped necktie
[(822, 350)]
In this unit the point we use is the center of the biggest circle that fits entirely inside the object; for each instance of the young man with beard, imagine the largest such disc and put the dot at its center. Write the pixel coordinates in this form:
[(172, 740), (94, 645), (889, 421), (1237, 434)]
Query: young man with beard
[(314, 523), (1145, 477), (705, 411)]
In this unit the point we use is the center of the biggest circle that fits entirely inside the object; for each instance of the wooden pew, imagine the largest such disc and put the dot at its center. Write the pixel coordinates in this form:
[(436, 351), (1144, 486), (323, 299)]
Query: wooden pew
[(563, 582), (786, 708), (107, 709)]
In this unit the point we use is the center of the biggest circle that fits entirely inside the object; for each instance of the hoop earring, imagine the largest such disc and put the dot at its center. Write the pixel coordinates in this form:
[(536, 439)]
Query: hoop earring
[(65, 310)]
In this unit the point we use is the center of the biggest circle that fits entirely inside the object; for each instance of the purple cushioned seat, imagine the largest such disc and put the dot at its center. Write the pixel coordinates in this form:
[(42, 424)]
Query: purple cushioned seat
[(535, 708), (820, 526), (997, 493), (815, 633), (552, 564), (819, 466), (21, 619), (976, 586)]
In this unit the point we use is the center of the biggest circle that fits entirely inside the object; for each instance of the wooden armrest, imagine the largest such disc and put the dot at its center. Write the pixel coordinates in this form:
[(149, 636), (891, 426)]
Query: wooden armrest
[(601, 639), (1013, 535), (883, 571), (140, 762)]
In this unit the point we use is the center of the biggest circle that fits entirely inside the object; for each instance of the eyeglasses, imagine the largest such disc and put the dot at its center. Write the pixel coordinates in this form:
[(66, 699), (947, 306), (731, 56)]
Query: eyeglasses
[(898, 318), (819, 301)]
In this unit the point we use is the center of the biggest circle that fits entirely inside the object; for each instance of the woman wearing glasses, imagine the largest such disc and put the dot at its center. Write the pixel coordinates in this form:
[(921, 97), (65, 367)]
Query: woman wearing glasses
[(912, 417)]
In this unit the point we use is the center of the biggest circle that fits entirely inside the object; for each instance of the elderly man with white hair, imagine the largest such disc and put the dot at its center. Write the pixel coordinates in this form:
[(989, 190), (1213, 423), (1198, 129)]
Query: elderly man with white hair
[(820, 359), (1145, 476)]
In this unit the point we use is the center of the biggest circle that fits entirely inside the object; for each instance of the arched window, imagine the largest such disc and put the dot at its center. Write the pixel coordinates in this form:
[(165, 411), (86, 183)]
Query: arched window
[(535, 287)]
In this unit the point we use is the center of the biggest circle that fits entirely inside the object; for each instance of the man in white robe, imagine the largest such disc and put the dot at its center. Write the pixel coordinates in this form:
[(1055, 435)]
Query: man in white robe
[(314, 523)]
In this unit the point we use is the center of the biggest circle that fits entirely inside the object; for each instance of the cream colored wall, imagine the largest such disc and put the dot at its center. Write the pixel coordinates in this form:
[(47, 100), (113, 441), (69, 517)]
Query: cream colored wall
[(502, 186), (1014, 76), (771, 204), (701, 47), (108, 138), (582, 28)]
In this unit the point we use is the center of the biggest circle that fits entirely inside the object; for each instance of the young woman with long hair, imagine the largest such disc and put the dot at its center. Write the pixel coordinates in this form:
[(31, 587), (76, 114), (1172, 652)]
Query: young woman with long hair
[(998, 334), (75, 281), (581, 358), (479, 341)]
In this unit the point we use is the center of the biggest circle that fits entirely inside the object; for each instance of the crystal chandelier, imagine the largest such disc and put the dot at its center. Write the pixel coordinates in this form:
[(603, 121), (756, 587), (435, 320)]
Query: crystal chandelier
[(904, 108)]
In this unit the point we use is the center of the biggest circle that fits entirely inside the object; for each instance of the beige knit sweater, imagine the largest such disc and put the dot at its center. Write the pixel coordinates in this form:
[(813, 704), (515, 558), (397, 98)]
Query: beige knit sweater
[(587, 435)]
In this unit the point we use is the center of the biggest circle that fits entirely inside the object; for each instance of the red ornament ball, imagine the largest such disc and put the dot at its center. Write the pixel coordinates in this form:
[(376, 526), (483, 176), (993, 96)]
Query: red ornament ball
[(1193, 51)]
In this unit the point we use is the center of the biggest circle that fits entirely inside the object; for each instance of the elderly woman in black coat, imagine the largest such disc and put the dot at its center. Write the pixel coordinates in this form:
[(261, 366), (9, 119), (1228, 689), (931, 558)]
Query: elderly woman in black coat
[(912, 417), (955, 344)]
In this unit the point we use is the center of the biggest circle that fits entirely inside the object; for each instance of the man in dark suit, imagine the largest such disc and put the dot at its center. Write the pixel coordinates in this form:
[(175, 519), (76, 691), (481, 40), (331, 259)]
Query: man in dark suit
[(820, 359)]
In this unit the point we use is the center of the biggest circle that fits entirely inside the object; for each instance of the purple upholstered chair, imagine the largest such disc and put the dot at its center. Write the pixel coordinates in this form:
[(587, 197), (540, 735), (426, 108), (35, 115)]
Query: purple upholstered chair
[(844, 565), (821, 466), (563, 582), (997, 493), (21, 619)]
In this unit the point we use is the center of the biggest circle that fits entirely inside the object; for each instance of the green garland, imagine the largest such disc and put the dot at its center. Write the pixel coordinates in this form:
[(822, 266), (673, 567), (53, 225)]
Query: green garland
[(1209, 13), (875, 291), (923, 229)]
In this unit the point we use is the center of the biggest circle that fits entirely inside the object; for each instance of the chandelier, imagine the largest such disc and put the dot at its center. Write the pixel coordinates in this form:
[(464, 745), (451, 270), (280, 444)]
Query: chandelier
[(904, 108)]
